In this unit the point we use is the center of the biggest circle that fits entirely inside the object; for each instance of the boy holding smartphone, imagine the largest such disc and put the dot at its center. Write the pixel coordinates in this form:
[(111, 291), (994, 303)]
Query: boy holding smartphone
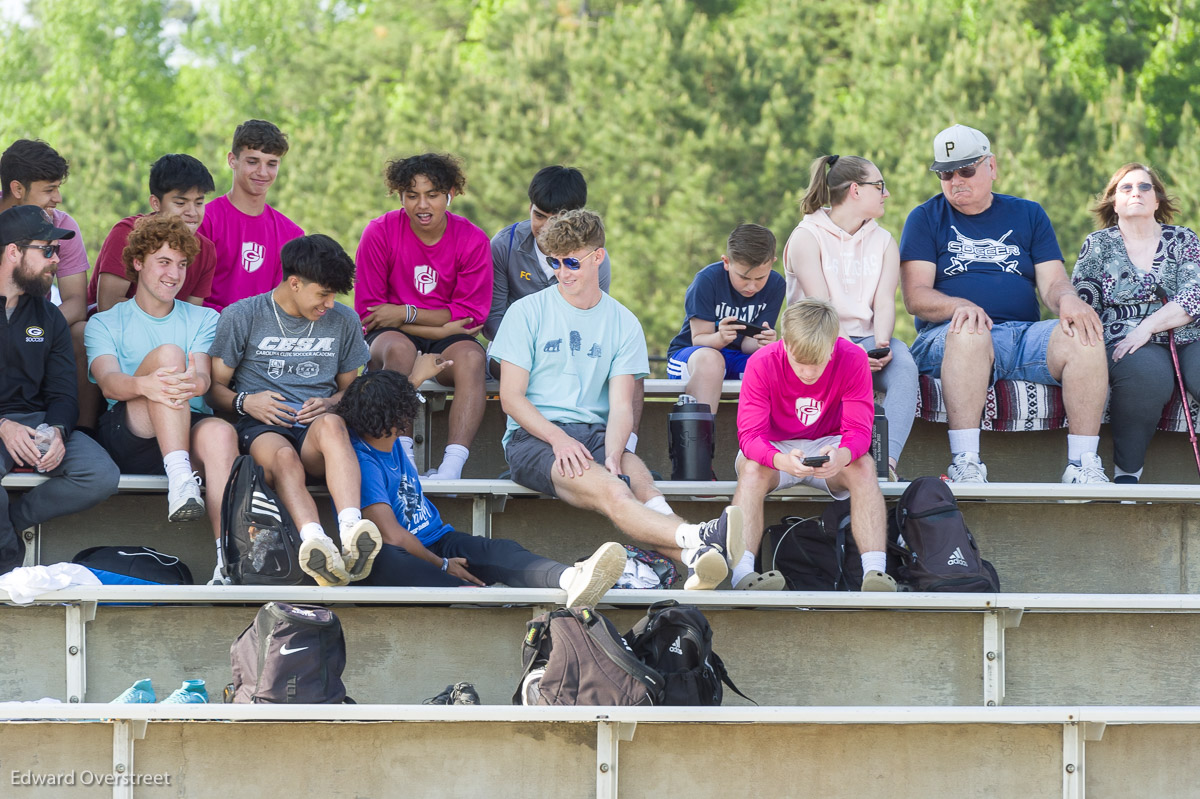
[(730, 307), (803, 398)]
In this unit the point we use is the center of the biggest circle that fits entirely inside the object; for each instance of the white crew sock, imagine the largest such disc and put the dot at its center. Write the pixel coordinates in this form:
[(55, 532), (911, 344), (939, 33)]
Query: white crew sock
[(687, 536), (177, 464), (452, 463), (659, 505), (407, 444), (220, 557), (1118, 471), (347, 518), (312, 530), (1078, 445), (964, 441), (874, 561), (631, 445), (743, 567), (564, 580)]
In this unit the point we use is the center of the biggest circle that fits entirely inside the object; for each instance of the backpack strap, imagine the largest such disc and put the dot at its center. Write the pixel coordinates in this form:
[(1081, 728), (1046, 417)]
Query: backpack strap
[(618, 654), (718, 666), (530, 647)]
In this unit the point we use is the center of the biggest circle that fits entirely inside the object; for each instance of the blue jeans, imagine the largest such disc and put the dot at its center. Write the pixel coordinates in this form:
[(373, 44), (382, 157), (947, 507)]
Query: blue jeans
[(1019, 349)]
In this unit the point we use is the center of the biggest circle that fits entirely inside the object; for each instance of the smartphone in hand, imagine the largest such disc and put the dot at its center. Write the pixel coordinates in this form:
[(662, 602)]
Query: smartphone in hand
[(751, 330), (878, 352), (816, 460)]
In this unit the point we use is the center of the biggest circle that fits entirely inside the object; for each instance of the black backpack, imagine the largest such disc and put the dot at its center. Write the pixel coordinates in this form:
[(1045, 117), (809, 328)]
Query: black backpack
[(259, 540), (575, 656), (939, 551), (676, 641), (818, 553), (141, 563), (290, 654)]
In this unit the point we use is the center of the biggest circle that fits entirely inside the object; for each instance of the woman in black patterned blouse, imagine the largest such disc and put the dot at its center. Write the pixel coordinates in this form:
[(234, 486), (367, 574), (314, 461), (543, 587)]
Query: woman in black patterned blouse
[(1119, 270)]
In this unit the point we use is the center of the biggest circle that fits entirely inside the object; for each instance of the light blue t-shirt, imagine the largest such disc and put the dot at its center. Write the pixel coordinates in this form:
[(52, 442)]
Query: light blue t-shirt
[(129, 333), (570, 354)]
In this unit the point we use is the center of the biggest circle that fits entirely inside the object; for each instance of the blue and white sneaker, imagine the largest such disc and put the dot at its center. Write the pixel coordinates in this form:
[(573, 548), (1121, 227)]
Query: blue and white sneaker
[(141, 692), (192, 692)]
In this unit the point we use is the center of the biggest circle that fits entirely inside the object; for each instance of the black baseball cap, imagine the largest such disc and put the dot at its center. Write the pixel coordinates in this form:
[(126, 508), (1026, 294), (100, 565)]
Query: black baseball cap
[(29, 223)]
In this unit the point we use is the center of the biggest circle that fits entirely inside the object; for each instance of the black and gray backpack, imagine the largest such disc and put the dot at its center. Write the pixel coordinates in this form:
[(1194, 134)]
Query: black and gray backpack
[(940, 553), (290, 654), (259, 540), (676, 641)]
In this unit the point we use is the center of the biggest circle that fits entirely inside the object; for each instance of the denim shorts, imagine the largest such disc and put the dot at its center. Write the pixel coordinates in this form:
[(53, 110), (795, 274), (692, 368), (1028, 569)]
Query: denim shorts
[(1019, 347)]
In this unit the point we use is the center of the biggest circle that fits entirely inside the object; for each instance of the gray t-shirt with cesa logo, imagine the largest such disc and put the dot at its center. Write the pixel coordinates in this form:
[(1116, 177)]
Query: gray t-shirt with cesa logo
[(269, 350)]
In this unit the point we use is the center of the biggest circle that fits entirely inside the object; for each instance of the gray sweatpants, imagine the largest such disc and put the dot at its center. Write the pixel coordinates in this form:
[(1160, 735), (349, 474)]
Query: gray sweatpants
[(86, 477), (899, 380), (1140, 384)]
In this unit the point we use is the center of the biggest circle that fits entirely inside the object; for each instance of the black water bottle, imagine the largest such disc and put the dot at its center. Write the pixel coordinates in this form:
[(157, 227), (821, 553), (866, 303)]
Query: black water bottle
[(691, 440), (879, 442)]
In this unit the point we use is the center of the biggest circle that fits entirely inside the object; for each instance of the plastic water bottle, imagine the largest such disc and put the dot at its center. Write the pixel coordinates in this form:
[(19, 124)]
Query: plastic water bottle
[(690, 439), (879, 442), (43, 437)]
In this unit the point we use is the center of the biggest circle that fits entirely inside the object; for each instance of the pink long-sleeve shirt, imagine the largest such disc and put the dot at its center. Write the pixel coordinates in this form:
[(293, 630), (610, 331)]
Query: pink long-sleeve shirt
[(775, 405), (396, 267)]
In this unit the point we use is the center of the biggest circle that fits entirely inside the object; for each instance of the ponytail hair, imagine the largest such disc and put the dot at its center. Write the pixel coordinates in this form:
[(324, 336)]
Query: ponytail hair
[(829, 179)]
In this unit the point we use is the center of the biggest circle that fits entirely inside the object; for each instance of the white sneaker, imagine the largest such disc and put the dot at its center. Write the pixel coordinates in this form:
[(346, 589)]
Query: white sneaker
[(360, 545), (320, 559), (1089, 470), (967, 468), (596, 575), (878, 581), (184, 503)]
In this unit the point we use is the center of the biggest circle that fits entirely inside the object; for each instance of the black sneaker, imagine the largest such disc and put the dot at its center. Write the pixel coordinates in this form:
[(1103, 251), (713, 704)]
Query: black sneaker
[(461, 693), (724, 533)]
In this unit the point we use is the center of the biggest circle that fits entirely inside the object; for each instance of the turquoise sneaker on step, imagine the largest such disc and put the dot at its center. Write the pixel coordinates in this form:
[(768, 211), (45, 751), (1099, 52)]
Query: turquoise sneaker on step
[(192, 692), (141, 692)]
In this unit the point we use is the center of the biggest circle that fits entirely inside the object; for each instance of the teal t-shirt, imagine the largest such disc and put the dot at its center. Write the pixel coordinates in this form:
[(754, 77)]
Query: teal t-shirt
[(129, 333), (570, 354)]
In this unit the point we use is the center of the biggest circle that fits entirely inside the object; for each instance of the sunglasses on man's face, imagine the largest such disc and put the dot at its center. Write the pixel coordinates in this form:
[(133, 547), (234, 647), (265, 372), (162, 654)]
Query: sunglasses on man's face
[(1144, 188), (963, 172), (569, 263), (48, 250)]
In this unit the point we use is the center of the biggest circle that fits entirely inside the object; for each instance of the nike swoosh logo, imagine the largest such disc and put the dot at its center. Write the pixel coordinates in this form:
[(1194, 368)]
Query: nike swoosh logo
[(283, 650)]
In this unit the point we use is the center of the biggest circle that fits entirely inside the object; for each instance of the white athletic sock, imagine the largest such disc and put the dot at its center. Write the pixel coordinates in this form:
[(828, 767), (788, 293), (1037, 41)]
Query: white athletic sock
[(312, 530), (220, 557), (1078, 445), (631, 446), (964, 441), (687, 536), (874, 561), (1118, 471), (407, 444), (347, 518), (177, 464), (743, 566), (564, 581), (452, 462), (659, 505)]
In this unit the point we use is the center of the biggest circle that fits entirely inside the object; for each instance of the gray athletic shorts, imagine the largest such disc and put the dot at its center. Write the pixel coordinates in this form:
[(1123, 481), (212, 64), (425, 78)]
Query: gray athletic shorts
[(530, 460)]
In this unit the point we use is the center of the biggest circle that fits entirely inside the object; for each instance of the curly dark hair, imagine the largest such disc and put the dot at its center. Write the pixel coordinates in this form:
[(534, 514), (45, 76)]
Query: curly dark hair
[(378, 403), (443, 170), (150, 233)]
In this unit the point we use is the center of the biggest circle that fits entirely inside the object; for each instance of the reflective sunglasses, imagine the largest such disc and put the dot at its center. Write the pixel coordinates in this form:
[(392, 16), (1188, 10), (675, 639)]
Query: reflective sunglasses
[(569, 263), (48, 250), (1144, 188), (880, 184), (964, 172)]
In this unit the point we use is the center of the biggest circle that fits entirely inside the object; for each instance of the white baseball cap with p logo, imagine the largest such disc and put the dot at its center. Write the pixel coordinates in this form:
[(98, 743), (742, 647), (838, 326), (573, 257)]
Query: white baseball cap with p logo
[(958, 146)]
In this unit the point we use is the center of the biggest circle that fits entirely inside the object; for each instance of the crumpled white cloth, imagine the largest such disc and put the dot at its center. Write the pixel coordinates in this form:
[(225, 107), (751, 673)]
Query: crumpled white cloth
[(637, 575), (28, 582)]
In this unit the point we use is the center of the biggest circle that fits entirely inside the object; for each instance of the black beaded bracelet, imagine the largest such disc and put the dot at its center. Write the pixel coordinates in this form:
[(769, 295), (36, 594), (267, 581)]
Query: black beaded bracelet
[(239, 404)]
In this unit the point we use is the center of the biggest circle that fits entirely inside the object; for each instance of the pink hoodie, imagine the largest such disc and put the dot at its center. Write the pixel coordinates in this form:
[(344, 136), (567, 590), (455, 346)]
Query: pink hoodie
[(775, 405), (851, 263)]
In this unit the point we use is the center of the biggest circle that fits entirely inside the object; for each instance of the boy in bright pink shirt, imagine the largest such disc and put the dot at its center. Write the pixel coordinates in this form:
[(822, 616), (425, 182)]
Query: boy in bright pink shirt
[(425, 287), (248, 233), (809, 396)]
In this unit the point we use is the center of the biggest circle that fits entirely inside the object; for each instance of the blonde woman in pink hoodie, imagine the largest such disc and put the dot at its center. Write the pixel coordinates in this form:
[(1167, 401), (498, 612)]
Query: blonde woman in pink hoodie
[(839, 253)]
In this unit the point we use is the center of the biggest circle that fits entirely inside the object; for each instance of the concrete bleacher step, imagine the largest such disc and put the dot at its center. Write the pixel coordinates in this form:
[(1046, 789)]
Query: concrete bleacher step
[(781, 648), (387, 750)]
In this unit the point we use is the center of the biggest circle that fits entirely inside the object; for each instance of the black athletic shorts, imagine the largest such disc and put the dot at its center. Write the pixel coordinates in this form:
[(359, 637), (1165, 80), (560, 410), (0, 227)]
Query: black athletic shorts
[(423, 345), (249, 428), (131, 453)]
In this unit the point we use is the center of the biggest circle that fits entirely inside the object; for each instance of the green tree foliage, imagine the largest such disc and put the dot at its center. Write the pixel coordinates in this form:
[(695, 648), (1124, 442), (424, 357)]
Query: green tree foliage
[(686, 117)]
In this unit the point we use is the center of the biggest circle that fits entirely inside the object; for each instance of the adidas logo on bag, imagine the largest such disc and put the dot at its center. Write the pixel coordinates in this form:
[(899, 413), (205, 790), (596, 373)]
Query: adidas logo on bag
[(956, 558), (675, 647)]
